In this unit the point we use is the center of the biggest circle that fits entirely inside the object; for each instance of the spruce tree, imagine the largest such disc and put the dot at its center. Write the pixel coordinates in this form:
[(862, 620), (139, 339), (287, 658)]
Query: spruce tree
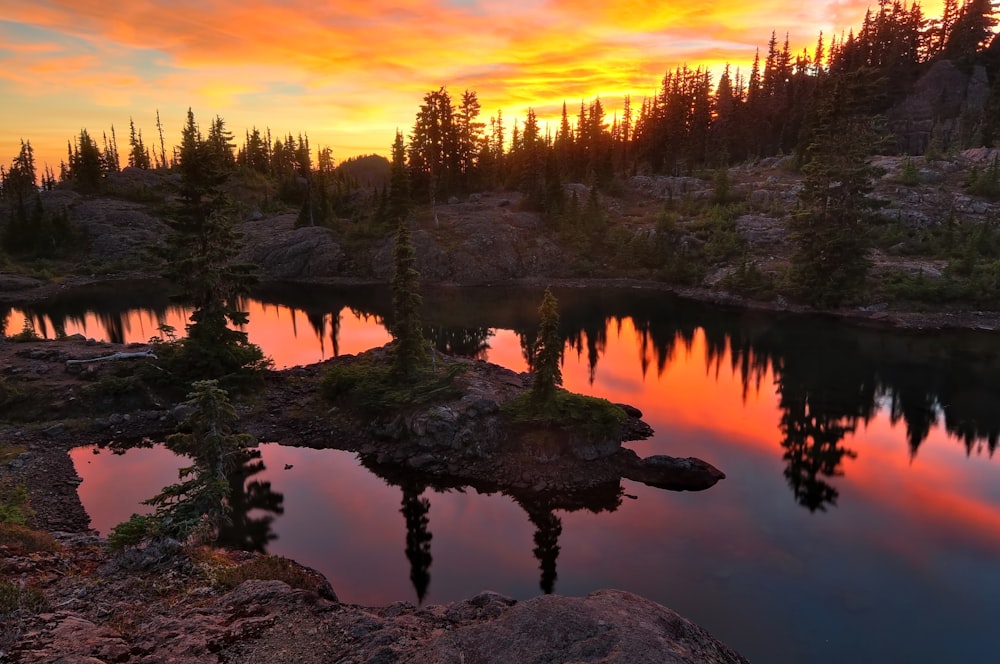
[(199, 259), (399, 202), (547, 352), (830, 263), (409, 353), (86, 164)]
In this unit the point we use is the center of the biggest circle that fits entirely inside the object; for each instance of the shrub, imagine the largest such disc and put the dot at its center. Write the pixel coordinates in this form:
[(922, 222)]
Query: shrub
[(138, 529), (14, 507), (14, 598), (25, 539), (748, 279), (909, 174), (27, 332), (267, 568), (987, 182), (597, 418), (372, 387)]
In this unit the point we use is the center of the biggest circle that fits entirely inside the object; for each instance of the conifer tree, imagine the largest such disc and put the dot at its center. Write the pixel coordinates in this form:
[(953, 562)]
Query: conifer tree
[(86, 163), (200, 256), (399, 187), (409, 353), (163, 147), (547, 352), (138, 155), (831, 262)]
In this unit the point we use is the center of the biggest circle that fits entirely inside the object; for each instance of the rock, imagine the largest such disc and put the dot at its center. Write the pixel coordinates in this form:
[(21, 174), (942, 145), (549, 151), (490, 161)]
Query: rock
[(605, 626), (486, 246), (119, 232), (13, 282), (936, 106), (630, 410), (674, 473), (283, 252)]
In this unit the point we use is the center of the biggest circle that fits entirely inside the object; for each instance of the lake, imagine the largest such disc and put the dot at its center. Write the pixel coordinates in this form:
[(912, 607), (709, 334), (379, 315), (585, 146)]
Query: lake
[(859, 520)]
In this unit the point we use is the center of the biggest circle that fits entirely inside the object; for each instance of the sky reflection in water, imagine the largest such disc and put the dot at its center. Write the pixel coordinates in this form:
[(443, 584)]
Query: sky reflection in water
[(900, 566)]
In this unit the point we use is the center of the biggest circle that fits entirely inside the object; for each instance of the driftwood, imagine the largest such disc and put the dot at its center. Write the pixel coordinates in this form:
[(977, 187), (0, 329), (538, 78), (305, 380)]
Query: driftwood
[(115, 356)]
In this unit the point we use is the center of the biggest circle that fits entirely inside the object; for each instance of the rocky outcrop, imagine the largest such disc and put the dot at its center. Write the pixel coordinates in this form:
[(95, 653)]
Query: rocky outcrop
[(119, 232), (468, 441), (943, 101), (269, 621), (605, 626), (104, 610), (283, 252), (484, 240)]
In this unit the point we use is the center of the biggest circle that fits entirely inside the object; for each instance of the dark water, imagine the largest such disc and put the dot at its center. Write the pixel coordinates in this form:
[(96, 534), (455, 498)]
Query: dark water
[(859, 522)]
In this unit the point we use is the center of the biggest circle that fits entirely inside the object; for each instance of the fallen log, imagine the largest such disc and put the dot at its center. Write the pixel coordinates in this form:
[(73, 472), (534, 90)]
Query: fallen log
[(115, 356)]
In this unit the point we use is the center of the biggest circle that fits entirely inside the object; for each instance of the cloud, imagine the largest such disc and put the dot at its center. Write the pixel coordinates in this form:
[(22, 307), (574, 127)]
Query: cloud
[(369, 63)]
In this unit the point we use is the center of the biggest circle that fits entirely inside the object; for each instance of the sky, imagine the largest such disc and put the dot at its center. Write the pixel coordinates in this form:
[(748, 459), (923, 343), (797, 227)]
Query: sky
[(350, 74)]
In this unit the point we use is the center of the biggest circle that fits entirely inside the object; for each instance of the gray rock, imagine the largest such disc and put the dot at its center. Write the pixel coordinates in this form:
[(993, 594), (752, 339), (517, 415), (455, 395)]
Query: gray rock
[(283, 252), (674, 473), (937, 104), (603, 627)]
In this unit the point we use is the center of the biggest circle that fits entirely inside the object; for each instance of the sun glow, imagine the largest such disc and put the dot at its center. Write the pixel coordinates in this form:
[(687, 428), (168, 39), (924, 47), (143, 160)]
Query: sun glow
[(350, 74)]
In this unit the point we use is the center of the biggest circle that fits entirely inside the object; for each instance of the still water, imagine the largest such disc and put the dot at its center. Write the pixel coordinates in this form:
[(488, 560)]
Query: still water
[(859, 520)]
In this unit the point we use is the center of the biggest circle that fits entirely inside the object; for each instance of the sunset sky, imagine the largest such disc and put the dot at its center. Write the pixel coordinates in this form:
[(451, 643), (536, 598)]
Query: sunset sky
[(349, 74)]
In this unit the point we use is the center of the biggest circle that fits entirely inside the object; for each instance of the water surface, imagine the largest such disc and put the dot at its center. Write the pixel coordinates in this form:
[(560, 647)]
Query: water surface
[(859, 521)]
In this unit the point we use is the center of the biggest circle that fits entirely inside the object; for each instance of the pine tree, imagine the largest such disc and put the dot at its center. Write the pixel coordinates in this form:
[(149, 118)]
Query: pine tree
[(220, 145), (198, 506), (163, 148), (470, 133), (399, 188), (138, 155), (830, 263), (409, 353), (86, 164), (972, 30), (547, 352), (199, 260)]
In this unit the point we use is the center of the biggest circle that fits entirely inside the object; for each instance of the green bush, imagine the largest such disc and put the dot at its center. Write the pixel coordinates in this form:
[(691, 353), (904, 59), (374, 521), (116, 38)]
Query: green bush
[(14, 506), (987, 182), (139, 528), (748, 279)]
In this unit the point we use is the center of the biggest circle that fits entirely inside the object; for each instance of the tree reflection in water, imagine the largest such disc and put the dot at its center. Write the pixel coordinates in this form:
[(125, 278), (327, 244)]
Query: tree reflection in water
[(830, 376), (253, 507), (418, 537), (548, 529)]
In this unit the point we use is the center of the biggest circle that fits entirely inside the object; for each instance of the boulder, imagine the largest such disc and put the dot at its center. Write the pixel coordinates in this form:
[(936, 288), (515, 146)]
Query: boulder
[(283, 252), (935, 107), (606, 626), (674, 473)]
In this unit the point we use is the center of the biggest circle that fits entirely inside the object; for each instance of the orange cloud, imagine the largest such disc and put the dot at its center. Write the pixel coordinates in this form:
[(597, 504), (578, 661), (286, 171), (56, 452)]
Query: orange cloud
[(350, 74)]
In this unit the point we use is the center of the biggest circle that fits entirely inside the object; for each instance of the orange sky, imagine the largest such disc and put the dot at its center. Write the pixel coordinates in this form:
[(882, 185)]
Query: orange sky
[(349, 74)]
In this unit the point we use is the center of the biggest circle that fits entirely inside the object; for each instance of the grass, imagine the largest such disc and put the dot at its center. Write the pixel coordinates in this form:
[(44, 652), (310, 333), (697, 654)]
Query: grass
[(594, 417), (26, 540), (371, 385), (14, 598), (264, 568), (9, 452), (14, 507)]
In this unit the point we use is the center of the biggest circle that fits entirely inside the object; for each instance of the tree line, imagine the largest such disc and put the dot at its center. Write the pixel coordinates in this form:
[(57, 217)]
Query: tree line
[(821, 105)]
